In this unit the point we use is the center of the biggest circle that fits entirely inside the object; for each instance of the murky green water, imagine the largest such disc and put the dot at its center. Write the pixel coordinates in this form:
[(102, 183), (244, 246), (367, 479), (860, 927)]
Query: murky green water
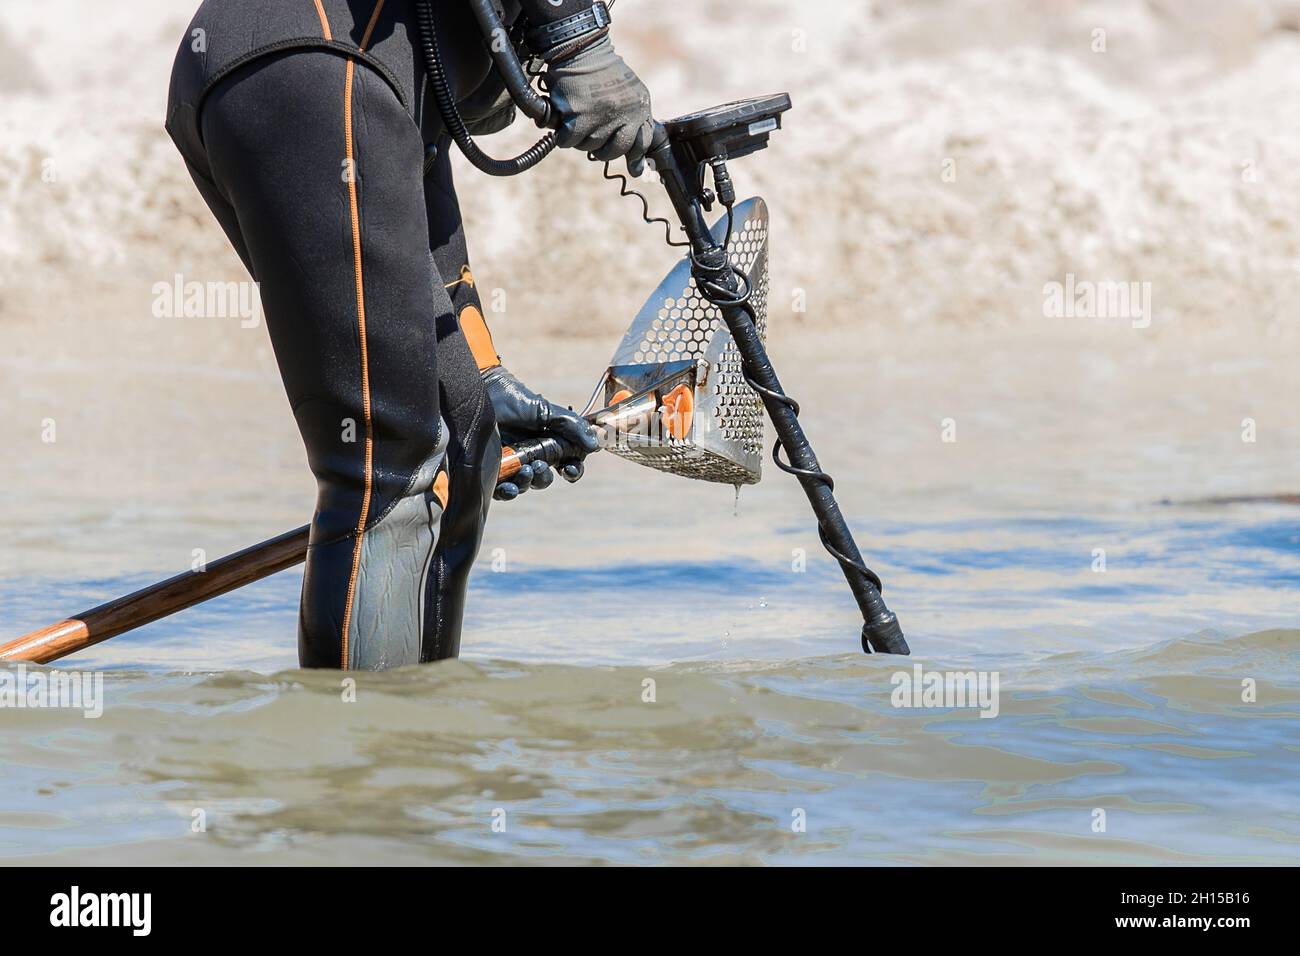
[(768, 738)]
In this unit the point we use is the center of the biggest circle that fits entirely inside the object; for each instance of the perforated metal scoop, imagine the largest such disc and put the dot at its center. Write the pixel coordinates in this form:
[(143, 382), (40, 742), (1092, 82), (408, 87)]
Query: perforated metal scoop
[(674, 397)]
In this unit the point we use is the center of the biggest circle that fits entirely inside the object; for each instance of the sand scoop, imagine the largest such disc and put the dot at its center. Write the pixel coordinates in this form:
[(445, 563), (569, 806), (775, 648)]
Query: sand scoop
[(674, 397)]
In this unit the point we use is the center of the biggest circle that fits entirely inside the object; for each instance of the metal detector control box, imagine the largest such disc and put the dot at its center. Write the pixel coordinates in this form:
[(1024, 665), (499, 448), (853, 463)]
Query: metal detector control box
[(729, 131)]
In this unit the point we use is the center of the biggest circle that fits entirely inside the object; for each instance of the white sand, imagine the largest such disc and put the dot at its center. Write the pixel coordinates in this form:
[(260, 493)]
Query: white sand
[(1124, 164)]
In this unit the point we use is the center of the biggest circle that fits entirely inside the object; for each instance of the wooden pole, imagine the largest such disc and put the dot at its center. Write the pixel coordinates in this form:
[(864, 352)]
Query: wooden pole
[(158, 600), (219, 577)]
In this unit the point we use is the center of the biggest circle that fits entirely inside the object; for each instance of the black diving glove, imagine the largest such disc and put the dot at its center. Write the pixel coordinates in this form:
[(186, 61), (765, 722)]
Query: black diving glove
[(522, 413), (604, 107)]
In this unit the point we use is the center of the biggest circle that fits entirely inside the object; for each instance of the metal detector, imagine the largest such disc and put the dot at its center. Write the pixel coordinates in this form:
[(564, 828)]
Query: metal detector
[(683, 390)]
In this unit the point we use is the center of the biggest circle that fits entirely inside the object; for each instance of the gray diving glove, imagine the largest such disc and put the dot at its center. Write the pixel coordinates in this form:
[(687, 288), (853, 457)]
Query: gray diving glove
[(604, 107), (522, 413)]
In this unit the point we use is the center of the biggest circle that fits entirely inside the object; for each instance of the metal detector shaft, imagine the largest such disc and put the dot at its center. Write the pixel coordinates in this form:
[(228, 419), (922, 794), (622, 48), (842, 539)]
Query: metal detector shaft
[(881, 631)]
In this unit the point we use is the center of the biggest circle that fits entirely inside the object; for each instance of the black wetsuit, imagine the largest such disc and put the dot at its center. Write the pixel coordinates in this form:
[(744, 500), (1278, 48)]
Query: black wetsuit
[(305, 125)]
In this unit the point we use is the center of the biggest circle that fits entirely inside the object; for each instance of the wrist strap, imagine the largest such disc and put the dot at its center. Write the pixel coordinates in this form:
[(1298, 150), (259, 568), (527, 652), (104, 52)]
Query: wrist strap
[(547, 38)]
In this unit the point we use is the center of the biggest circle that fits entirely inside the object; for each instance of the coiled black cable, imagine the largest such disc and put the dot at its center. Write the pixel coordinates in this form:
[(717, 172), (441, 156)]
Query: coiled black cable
[(451, 117), (708, 279), (624, 189)]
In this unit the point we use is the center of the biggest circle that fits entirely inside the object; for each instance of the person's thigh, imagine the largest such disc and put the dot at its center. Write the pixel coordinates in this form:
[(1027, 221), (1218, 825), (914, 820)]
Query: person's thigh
[(323, 169)]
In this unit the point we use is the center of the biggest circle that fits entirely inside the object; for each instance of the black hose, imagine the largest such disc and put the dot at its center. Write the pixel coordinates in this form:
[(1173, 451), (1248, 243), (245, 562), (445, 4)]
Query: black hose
[(451, 117), (517, 79)]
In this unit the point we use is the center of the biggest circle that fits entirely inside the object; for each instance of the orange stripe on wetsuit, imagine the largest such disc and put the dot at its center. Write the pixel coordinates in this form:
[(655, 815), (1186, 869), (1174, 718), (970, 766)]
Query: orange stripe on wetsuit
[(355, 213), (474, 327), (324, 21)]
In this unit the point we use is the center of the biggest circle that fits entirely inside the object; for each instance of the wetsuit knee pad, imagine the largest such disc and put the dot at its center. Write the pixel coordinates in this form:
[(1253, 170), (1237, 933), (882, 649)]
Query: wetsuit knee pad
[(365, 594)]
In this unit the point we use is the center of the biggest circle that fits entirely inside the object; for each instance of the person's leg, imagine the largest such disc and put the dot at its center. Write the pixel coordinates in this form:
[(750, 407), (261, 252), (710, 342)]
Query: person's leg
[(322, 170), (474, 449)]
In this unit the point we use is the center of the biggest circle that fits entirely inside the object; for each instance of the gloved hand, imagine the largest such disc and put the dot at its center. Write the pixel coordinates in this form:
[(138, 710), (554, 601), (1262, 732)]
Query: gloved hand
[(522, 413), (604, 106)]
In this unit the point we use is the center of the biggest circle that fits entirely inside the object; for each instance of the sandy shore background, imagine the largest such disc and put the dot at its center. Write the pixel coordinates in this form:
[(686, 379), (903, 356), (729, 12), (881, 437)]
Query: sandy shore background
[(1169, 158)]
